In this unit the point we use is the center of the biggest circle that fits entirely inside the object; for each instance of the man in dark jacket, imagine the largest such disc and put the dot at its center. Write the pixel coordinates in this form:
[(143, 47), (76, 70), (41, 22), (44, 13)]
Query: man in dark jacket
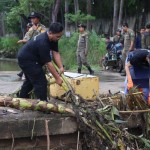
[(138, 71), (36, 53)]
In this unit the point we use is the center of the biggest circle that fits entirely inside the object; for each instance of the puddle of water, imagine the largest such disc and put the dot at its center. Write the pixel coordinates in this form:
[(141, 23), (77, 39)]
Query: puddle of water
[(9, 78), (6, 65)]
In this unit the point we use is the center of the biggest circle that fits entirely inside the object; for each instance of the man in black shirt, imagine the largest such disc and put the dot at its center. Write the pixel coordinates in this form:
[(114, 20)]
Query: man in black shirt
[(36, 53)]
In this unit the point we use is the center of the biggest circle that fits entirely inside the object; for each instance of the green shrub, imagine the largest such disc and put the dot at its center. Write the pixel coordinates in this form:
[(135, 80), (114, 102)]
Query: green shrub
[(9, 44), (67, 48)]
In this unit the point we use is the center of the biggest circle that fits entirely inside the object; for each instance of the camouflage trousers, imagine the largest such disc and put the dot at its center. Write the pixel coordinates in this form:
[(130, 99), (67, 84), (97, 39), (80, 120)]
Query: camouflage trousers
[(124, 56), (81, 59)]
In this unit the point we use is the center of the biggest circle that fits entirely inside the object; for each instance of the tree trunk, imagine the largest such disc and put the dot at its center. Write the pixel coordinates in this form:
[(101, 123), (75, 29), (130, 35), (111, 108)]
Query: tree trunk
[(66, 12), (120, 13), (115, 16), (89, 11), (2, 27), (76, 6), (76, 9), (56, 7)]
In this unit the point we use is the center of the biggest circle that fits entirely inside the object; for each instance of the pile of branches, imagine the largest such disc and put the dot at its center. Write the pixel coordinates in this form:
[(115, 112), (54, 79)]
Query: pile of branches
[(100, 122), (102, 126)]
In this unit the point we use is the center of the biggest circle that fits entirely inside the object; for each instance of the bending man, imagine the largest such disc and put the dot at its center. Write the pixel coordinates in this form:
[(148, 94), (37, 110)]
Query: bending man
[(36, 53), (138, 71)]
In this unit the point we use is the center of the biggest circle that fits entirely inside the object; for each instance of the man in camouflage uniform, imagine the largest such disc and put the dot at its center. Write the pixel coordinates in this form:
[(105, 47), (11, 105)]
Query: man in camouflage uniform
[(146, 37), (82, 49), (118, 38), (129, 38), (36, 28)]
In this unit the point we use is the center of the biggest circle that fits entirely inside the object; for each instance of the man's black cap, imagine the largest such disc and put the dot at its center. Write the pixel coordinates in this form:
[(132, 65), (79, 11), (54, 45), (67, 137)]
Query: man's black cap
[(82, 25), (148, 25), (34, 15), (118, 30)]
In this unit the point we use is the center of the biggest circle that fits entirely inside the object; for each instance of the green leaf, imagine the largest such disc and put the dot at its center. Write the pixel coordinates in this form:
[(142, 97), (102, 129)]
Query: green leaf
[(146, 142), (114, 111)]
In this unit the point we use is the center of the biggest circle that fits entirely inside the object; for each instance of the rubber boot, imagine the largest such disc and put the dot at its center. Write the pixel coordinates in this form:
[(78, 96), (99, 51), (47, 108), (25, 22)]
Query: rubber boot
[(90, 70), (79, 70)]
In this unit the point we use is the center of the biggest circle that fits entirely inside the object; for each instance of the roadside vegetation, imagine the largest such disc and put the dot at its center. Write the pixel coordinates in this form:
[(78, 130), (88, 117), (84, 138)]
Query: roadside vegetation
[(8, 47), (67, 46)]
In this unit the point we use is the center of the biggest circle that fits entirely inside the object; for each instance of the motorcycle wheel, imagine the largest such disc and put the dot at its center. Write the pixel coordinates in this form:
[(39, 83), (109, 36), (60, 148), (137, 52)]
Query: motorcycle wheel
[(119, 65)]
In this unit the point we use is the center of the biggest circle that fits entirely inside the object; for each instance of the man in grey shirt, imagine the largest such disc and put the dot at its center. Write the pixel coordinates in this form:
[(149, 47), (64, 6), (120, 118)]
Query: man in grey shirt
[(82, 49), (129, 38)]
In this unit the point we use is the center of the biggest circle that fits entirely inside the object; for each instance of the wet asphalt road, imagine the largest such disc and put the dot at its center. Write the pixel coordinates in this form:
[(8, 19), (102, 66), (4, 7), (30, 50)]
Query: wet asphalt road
[(109, 80)]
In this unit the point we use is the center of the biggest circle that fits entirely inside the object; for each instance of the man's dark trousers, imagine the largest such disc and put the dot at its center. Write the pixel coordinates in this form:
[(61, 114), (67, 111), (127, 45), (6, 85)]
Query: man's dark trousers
[(35, 79)]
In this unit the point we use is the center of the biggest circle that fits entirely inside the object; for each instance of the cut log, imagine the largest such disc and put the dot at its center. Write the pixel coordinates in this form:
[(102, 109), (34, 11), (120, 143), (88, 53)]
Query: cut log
[(30, 104)]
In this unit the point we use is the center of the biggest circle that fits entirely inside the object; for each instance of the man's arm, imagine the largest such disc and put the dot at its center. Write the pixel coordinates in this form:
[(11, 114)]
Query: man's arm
[(22, 41), (130, 82), (58, 61), (54, 73)]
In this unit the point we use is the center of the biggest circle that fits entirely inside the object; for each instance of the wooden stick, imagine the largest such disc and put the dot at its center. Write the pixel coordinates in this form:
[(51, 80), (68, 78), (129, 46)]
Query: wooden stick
[(47, 134), (134, 111), (78, 140)]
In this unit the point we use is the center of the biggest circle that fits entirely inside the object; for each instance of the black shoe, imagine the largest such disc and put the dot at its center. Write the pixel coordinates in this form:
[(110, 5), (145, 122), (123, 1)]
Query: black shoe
[(91, 72), (123, 74), (20, 75), (79, 70)]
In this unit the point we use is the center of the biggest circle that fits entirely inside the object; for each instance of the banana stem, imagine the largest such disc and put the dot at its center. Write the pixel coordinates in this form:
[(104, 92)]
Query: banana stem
[(63, 78)]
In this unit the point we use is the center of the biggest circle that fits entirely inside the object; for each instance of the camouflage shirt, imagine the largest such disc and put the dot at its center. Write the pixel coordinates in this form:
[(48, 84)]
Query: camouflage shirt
[(118, 39), (83, 42), (128, 37), (146, 40), (32, 32)]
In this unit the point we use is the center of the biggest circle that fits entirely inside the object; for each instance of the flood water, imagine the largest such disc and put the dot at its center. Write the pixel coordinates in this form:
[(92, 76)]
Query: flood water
[(9, 65)]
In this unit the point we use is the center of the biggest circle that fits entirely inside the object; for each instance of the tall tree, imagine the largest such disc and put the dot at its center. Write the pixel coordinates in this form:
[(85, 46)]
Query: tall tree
[(115, 16), (66, 12), (56, 7), (76, 9), (76, 6), (89, 11), (120, 13)]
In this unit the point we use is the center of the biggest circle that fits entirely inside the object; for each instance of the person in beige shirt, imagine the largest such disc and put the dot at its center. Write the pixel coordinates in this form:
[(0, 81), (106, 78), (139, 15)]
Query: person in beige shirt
[(82, 49), (36, 29), (129, 38), (118, 38)]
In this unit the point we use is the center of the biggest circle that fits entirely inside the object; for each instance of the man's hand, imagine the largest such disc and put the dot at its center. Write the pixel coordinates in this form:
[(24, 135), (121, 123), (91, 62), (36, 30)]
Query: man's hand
[(130, 84), (22, 41), (59, 81), (61, 70), (85, 52)]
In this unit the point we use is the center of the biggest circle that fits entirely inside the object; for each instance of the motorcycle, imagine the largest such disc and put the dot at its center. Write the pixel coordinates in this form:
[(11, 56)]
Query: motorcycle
[(113, 57)]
